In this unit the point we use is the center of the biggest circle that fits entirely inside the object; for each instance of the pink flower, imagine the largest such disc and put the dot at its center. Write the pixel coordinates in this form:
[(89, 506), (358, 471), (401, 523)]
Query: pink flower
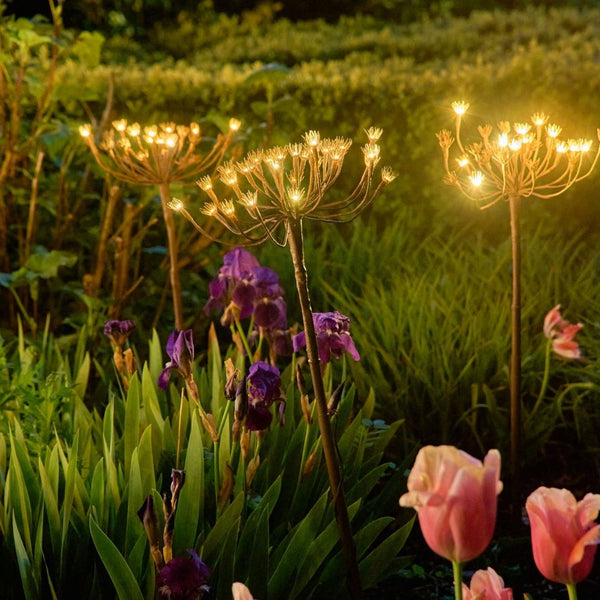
[(455, 497), (561, 333), (486, 585), (240, 592), (563, 533)]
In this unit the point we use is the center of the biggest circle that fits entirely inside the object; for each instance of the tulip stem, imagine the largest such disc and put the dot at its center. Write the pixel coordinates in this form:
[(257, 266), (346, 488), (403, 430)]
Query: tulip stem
[(457, 574), (572, 591), (294, 231), (544, 385)]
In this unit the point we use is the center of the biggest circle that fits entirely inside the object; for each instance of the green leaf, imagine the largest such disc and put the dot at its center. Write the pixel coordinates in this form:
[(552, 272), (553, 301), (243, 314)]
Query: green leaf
[(152, 411), (259, 578), (18, 501), (215, 368), (97, 491), (155, 358), (362, 488), (190, 509), (28, 578), (316, 553), (71, 473), (51, 504), (118, 570), (373, 568), (268, 74), (135, 499), (82, 377), (226, 562), (88, 48), (45, 264), (368, 534), (131, 427), (29, 38), (217, 535), (295, 545)]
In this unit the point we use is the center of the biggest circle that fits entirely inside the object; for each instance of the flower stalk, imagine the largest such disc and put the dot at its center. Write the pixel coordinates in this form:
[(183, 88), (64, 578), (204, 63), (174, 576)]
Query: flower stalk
[(294, 234), (457, 575), (515, 349)]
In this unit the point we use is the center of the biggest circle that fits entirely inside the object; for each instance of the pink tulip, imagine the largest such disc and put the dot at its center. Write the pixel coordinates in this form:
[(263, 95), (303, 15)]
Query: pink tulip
[(240, 592), (486, 585), (455, 497), (563, 533), (562, 334)]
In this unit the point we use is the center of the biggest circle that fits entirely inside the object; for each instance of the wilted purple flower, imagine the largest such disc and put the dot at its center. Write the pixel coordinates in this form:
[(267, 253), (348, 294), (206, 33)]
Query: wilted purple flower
[(180, 348), (183, 578), (264, 388), (333, 336), (118, 331)]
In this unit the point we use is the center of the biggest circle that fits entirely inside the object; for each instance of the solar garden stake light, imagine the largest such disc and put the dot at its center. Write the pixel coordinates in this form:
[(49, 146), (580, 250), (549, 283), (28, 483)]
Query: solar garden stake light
[(519, 161), (275, 190), (158, 155)]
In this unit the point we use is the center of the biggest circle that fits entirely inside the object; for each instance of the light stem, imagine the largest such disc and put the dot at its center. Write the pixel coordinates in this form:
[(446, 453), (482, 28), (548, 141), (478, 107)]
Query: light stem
[(165, 198), (572, 591), (294, 230), (515, 355)]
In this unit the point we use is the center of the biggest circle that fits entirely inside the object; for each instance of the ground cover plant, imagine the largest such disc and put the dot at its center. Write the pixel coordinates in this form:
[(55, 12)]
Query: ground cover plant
[(92, 446)]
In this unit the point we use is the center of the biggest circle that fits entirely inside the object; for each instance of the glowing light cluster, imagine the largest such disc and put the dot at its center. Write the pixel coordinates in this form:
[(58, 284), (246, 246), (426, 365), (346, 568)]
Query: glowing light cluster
[(523, 159), (285, 183), (155, 154)]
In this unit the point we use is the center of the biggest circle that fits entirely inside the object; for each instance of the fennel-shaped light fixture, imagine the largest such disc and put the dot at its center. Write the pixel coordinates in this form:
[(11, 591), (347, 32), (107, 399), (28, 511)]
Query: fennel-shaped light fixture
[(158, 155), (518, 161), (273, 192)]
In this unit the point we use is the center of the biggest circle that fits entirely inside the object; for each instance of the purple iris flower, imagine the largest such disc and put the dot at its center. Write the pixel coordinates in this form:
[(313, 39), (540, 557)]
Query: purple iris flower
[(333, 336), (235, 272), (238, 263), (183, 578), (118, 331), (180, 348), (264, 388), (270, 315), (244, 288)]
